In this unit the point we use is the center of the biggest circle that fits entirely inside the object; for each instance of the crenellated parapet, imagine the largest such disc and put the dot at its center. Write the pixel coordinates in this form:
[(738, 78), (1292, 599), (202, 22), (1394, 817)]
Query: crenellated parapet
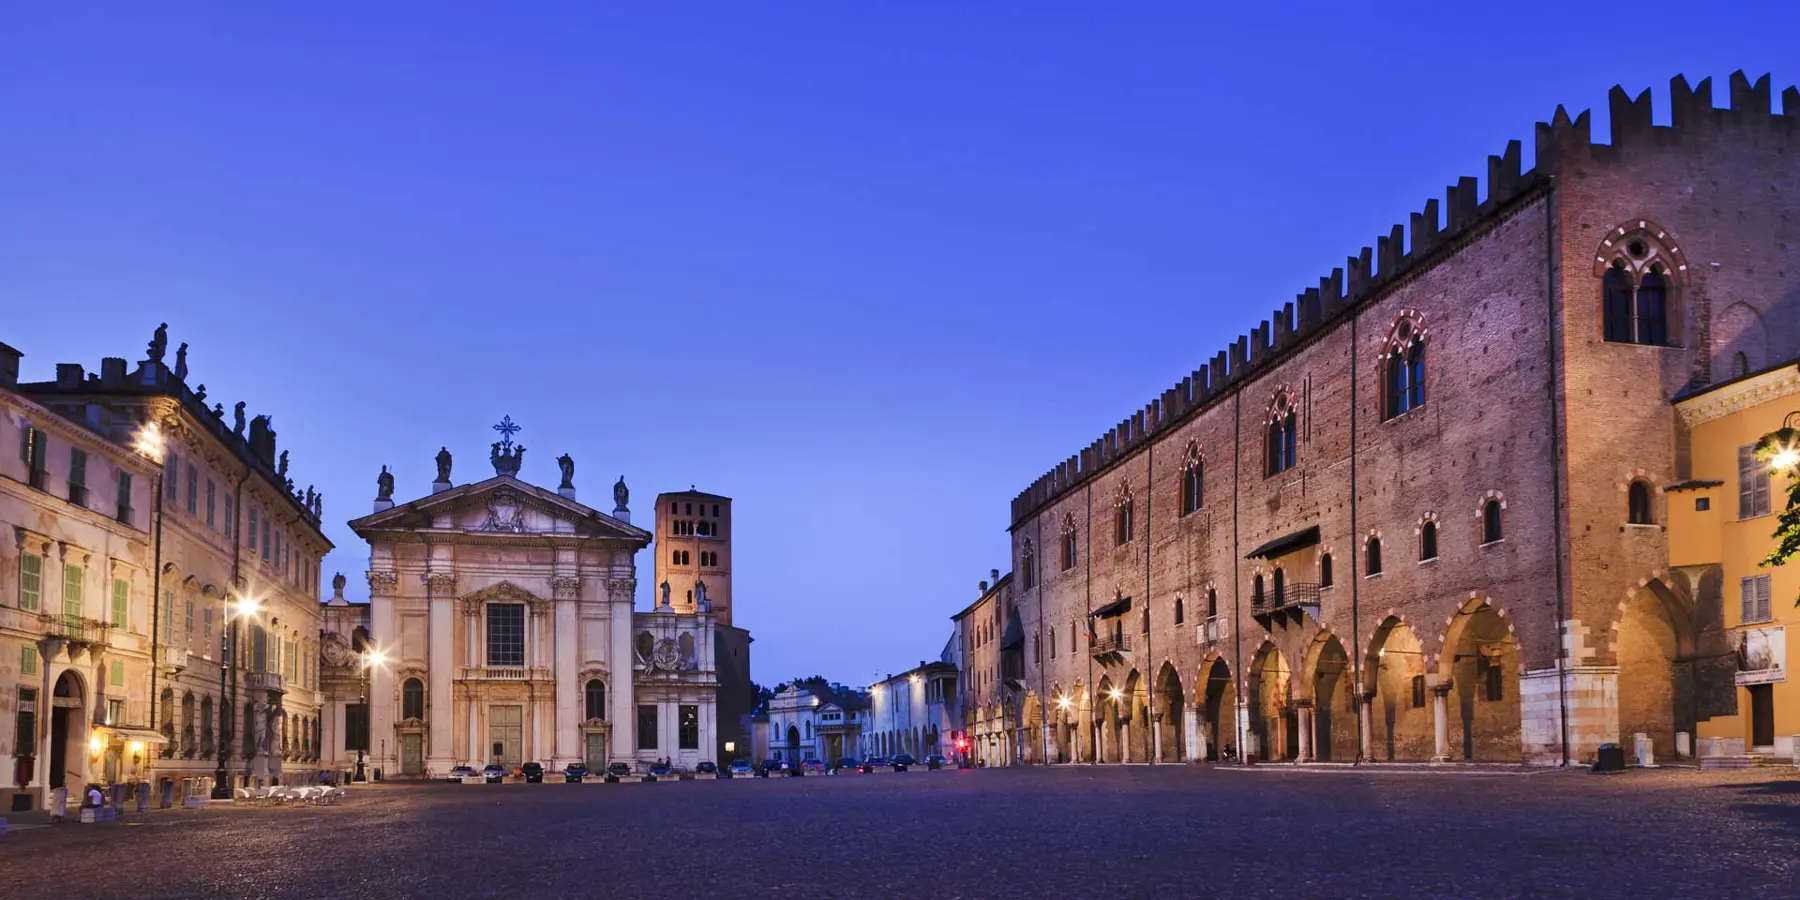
[(1373, 271)]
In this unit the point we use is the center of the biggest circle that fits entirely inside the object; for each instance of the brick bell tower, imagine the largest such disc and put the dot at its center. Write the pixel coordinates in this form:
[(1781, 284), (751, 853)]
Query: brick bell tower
[(693, 552)]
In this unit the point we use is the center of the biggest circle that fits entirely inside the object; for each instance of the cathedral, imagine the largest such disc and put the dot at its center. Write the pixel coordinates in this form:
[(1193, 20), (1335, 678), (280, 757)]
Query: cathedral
[(501, 629)]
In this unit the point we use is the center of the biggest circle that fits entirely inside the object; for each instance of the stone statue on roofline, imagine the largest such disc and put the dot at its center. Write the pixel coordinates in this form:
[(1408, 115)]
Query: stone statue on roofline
[(566, 463), (443, 464), (159, 343), (384, 485), (181, 362)]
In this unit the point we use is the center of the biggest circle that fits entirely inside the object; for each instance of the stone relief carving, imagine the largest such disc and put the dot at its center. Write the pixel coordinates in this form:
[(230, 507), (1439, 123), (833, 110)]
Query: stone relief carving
[(622, 587), (382, 582), (506, 512), (566, 587)]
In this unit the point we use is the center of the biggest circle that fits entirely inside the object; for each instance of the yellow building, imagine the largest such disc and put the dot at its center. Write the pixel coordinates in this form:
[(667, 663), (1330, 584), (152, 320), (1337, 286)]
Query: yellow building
[(1725, 516)]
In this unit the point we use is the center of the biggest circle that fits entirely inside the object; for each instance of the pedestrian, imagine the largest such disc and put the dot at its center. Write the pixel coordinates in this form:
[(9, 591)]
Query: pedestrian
[(94, 797)]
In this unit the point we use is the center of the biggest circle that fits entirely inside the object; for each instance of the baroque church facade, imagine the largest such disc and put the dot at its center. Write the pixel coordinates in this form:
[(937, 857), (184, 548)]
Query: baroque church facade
[(501, 629)]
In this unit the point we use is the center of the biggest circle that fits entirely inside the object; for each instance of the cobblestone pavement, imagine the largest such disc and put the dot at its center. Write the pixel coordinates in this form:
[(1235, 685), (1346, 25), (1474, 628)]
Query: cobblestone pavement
[(1067, 832)]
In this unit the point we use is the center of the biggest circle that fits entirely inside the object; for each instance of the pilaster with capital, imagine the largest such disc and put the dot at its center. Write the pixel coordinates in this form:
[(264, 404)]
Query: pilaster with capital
[(440, 589)]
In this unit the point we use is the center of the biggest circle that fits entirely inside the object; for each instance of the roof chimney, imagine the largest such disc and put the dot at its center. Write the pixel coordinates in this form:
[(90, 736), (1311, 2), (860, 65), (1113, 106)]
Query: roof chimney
[(984, 587), (994, 574), (9, 366), (69, 375)]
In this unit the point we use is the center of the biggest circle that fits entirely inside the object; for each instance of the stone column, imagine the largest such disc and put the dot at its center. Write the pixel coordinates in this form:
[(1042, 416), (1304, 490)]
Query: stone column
[(1440, 715), (570, 692), (619, 594), (1365, 710), (1156, 721), (439, 587), (1196, 732), (1303, 720), (477, 753)]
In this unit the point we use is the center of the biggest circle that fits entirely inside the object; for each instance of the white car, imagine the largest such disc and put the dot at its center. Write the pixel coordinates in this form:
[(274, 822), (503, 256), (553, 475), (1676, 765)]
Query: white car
[(460, 772), (494, 773)]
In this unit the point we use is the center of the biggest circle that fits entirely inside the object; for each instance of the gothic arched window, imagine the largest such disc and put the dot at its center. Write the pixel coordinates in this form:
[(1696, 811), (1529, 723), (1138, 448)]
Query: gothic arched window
[(1324, 570), (1122, 507), (1638, 504), (1640, 271), (1428, 541), (1279, 452), (1403, 368), (1192, 481), (1374, 556), (1028, 566), (1490, 522), (1069, 556)]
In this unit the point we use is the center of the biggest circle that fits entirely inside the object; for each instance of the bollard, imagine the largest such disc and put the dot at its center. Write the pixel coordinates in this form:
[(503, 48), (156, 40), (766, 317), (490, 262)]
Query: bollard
[(1645, 750), (1796, 745), (59, 803), (143, 796), (1684, 745)]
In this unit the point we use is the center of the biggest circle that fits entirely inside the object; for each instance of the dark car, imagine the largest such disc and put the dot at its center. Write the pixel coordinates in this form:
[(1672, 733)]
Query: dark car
[(574, 772), (659, 770), (533, 772), (874, 762), (936, 761), (707, 767), (843, 763), (740, 767), (494, 773), (902, 761), (618, 770), (774, 766)]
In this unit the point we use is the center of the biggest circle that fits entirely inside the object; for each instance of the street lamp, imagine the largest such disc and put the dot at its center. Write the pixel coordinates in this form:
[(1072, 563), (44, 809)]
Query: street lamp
[(242, 607), (371, 658), (148, 442), (1785, 444)]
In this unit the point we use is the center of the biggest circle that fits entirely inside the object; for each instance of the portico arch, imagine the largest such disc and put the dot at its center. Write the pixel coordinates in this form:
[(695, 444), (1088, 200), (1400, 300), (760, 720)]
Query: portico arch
[(68, 733), (1394, 683), (1272, 721), (1478, 670), (1218, 709), (1136, 707), (1109, 720), (1655, 651), (1171, 715), (1328, 685)]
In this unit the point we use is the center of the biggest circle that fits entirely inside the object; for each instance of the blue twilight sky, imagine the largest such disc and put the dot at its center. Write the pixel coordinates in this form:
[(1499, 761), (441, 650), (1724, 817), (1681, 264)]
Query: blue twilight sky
[(869, 269)]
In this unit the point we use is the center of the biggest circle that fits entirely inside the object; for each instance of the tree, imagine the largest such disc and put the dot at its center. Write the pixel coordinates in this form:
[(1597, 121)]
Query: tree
[(1781, 450)]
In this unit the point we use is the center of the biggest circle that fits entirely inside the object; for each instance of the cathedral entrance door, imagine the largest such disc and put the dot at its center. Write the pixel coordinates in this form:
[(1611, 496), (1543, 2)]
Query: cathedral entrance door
[(506, 734), (412, 754), (596, 751)]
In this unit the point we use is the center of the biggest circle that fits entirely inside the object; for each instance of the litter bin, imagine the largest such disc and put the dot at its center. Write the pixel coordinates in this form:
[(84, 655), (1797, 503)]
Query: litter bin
[(377, 774), (1611, 758)]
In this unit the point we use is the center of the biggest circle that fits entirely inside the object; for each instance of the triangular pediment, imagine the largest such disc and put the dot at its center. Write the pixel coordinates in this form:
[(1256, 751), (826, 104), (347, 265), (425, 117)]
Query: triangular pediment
[(502, 505), (504, 592)]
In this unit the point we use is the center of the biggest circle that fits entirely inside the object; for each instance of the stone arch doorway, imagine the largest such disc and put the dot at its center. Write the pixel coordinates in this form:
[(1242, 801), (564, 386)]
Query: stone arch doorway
[(1136, 706), (1109, 722), (1062, 725), (1171, 712), (1331, 691), (1400, 724), (68, 733), (1031, 720), (1655, 651), (793, 743), (1272, 720), (1218, 710), (1480, 665)]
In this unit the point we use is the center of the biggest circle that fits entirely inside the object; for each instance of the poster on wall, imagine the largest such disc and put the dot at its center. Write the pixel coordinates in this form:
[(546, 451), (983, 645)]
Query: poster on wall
[(1762, 655)]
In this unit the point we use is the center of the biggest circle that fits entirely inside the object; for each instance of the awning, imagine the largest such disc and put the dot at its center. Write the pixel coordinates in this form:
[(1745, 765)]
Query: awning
[(127, 733), (1014, 635), (1287, 543), (1115, 608)]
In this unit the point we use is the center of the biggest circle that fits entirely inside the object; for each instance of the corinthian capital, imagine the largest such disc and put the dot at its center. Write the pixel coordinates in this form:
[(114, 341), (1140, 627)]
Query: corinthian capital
[(565, 587), (382, 582), (440, 582), (622, 587)]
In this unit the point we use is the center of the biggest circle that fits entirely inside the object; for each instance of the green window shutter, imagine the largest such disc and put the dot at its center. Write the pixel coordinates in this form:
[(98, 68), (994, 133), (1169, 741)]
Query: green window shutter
[(78, 466), (121, 603), (27, 660), (118, 673), (167, 625), (31, 582), (72, 579)]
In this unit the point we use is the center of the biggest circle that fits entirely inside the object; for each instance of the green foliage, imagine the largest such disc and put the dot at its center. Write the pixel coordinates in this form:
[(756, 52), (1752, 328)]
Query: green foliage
[(1787, 525)]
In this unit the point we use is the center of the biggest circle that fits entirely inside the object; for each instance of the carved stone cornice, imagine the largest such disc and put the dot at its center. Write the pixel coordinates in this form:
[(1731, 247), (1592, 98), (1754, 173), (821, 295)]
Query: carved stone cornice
[(382, 582), (1739, 395), (565, 587), (439, 582)]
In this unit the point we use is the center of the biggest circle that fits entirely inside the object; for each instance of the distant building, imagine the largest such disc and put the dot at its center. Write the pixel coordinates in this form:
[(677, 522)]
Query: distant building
[(814, 720), (989, 642), (693, 560), (913, 712)]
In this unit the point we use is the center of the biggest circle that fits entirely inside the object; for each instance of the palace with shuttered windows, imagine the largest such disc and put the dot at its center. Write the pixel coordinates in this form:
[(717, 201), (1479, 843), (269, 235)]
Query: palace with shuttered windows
[(1414, 514)]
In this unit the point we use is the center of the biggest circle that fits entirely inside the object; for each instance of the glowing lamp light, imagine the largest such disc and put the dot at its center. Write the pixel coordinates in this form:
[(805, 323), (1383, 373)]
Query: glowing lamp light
[(374, 657), (1117, 694), (136, 748), (1785, 458), (246, 606), (95, 744), (149, 442), (1062, 702)]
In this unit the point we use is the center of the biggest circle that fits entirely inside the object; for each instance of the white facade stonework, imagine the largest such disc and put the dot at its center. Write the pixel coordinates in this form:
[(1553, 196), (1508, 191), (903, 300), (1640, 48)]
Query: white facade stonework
[(503, 613)]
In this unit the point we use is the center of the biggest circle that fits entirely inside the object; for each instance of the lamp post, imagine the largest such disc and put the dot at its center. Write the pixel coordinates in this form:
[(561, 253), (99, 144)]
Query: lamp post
[(229, 645), (148, 443), (370, 659)]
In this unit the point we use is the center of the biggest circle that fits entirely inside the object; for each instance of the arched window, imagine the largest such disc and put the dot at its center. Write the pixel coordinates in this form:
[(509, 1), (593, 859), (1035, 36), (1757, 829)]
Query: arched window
[(1280, 586), (645, 644), (1180, 615), (1256, 589), (1279, 453), (412, 699), (1403, 369), (685, 643), (1740, 364), (1374, 556), (1638, 504), (1069, 555), (206, 725), (1028, 566), (1122, 505), (1325, 570), (1192, 483), (1428, 541), (596, 700), (1490, 522), (1212, 602), (1639, 273)]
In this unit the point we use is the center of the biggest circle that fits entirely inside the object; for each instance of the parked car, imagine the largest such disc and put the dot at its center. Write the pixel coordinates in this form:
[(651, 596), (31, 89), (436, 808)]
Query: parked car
[(844, 763), (533, 772), (741, 768), (660, 769), (618, 770), (461, 772), (775, 765), (813, 767), (574, 772), (874, 762), (936, 761), (707, 767), (903, 760), (494, 773)]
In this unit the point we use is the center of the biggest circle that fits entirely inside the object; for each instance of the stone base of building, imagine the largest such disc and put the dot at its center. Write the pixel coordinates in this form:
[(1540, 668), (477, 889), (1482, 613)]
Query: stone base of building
[(1591, 696)]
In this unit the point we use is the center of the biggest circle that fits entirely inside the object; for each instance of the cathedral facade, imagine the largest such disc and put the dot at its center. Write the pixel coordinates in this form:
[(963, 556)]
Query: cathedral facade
[(501, 629)]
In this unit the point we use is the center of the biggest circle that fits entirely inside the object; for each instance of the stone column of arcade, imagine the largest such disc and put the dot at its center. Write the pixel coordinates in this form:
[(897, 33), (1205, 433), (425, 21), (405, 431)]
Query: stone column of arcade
[(1440, 721), (1303, 719)]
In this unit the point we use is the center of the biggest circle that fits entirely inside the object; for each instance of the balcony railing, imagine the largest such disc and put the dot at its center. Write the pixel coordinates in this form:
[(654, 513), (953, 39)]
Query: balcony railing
[(265, 681), (1293, 595), (175, 658), (75, 628), (504, 673), (1111, 644)]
